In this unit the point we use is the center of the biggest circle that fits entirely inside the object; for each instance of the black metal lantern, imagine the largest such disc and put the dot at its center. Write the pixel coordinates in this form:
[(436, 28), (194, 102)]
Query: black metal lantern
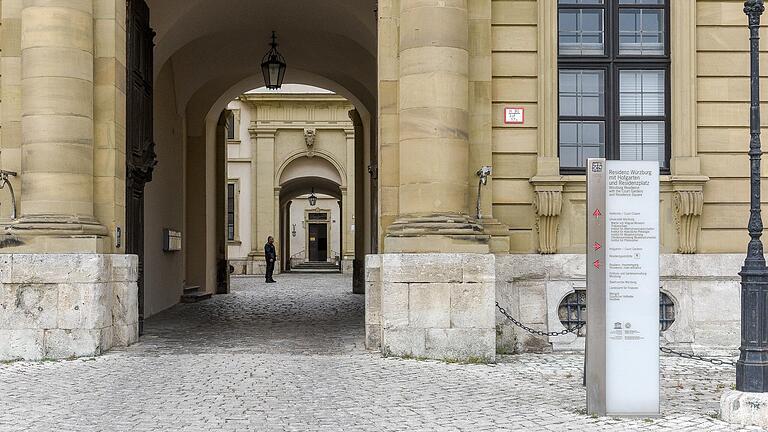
[(312, 198), (273, 66)]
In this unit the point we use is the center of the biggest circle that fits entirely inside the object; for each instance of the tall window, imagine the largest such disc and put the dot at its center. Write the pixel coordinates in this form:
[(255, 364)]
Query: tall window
[(614, 81), (231, 125), (231, 193)]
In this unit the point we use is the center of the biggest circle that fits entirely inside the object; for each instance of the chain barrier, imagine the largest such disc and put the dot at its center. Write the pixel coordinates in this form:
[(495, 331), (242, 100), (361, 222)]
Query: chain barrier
[(714, 361), (538, 332)]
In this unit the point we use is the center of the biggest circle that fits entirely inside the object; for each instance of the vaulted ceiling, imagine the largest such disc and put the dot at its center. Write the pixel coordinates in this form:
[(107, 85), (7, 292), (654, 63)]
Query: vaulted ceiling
[(215, 47)]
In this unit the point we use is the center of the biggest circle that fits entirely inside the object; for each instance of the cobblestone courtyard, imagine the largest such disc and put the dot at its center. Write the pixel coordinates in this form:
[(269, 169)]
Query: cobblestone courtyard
[(290, 357)]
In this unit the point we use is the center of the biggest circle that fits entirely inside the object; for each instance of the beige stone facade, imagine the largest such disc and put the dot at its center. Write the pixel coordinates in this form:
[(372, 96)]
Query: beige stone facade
[(429, 80), (284, 146)]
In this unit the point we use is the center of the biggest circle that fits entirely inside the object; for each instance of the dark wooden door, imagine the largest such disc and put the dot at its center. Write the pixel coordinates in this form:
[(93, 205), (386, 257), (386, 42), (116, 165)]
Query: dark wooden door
[(318, 242), (140, 147)]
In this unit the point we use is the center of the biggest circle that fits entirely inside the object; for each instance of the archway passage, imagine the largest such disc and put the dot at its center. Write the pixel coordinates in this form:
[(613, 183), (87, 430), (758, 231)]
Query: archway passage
[(207, 54)]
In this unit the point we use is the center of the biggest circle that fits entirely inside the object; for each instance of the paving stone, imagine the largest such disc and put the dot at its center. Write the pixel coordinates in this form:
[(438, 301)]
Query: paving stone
[(290, 357)]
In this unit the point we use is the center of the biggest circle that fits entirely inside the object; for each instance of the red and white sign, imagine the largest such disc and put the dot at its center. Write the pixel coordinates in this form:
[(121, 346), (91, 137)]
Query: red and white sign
[(514, 115)]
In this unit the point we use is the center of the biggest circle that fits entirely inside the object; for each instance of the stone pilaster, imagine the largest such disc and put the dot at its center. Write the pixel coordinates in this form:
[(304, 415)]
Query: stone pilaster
[(262, 190), (57, 77)]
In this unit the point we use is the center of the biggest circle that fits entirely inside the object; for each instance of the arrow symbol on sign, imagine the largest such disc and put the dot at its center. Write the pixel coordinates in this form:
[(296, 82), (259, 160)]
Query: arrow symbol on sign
[(596, 264), (597, 213), (596, 246)]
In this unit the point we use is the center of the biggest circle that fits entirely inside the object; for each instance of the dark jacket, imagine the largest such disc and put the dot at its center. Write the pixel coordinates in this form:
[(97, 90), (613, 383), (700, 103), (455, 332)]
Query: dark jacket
[(269, 252)]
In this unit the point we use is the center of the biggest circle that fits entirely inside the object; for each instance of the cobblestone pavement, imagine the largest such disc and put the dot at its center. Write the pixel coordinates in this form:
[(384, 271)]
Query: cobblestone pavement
[(289, 357)]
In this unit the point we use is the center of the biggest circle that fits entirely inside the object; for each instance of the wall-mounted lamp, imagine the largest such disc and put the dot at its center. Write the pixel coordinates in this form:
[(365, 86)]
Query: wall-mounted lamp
[(5, 181), (312, 198), (293, 231), (483, 173)]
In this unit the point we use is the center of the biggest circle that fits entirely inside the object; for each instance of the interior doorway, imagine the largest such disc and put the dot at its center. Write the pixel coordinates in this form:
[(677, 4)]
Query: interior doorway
[(318, 242)]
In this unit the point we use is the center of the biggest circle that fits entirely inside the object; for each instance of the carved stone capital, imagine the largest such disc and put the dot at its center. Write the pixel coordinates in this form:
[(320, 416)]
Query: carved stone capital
[(688, 202), (548, 203)]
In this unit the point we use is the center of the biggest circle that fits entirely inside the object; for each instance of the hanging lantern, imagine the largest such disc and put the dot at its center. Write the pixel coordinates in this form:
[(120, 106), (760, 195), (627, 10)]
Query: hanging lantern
[(273, 66), (312, 198)]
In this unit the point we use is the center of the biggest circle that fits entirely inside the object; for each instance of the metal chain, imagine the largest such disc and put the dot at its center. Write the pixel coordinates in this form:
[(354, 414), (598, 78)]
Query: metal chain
[(538, 332), (714, 361)]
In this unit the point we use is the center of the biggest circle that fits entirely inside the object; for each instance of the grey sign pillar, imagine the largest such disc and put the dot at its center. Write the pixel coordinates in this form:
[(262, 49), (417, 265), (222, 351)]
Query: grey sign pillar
[(595, 354)]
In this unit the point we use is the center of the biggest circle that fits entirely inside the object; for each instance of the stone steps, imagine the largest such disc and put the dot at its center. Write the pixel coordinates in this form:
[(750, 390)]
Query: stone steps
[(315, 267), (192, 294)]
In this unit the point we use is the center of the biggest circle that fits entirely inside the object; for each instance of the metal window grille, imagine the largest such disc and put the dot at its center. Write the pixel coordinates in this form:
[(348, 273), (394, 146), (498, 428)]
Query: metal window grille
[(573, 311), (666, 312)]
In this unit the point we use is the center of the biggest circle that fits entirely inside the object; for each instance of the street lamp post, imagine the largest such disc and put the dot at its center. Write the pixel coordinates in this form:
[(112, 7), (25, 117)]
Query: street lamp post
[(752, 366)]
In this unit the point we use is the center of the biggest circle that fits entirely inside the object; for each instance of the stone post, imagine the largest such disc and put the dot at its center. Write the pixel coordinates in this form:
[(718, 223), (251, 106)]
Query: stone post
[(57, 57), (432, 293)]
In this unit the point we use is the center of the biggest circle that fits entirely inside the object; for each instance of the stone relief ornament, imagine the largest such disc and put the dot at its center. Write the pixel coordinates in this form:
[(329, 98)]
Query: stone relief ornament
[(309, 140), (548, 205), (689, 205)]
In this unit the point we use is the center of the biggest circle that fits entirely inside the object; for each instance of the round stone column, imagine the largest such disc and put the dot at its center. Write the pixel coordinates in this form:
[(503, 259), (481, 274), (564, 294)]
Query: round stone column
[(433, 112), (57, 119), (434, 106)]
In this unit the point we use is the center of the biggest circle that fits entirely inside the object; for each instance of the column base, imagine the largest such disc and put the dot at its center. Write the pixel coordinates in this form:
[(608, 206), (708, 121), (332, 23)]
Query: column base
[(498, 233), (438, 306), (436, 233), (746, 409), (58, 306), (55, 234)]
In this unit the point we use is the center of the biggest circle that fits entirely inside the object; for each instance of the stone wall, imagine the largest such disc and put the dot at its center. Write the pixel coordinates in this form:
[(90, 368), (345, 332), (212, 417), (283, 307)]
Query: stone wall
[(436, 306), (56, 306), (704, 288)]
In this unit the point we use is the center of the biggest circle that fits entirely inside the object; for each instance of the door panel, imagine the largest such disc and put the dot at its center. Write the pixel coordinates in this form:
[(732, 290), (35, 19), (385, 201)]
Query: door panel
[(322, 242), (314, 250), (140, 147)]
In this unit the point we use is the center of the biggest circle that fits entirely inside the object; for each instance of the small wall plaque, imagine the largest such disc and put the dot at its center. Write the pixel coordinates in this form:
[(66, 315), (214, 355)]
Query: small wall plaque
[(171, 240), (514, 115)]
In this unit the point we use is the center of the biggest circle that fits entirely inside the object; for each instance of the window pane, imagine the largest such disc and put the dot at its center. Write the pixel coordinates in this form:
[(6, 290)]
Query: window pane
[(582, 93), (643, 141), (580, 141), (641, 2), (581, 1), (641, 93), (641, 32), (581, 32), (231, 126)]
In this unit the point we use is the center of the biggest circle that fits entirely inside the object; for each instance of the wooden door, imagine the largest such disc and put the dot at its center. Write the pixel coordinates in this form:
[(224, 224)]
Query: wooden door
[(140, 147), (318, 242)]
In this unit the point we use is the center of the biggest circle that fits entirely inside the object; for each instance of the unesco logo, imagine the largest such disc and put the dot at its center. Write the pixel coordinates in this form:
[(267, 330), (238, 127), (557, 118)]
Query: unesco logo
[(597, 167)]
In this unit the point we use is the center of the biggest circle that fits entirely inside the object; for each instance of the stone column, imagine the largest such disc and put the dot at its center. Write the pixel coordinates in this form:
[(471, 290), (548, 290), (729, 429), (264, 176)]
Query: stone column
[(432, 293), (434, 130), (57, 126)]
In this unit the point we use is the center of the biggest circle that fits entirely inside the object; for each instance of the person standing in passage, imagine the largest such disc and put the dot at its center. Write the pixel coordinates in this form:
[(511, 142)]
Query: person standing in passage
[(271, 256)]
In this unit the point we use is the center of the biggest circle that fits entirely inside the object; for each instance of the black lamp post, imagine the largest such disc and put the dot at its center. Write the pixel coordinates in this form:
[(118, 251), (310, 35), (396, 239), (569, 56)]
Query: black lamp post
[(752, 366), (273, 66), (312, 198)]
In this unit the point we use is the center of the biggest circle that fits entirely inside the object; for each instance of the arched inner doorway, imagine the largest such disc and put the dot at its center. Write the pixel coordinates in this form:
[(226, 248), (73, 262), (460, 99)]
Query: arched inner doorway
[(207, 53), (313, 232)]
